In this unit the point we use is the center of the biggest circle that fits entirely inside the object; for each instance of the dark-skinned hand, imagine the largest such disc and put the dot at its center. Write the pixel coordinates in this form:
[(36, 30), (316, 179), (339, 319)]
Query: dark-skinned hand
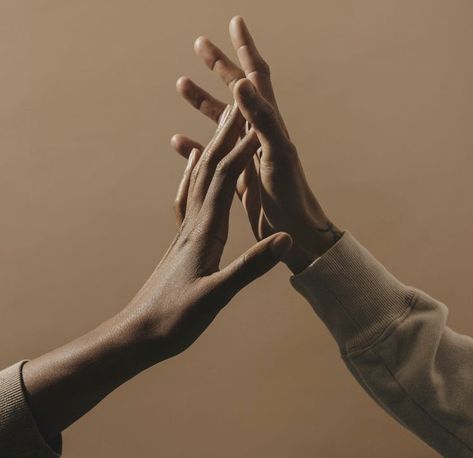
[(178, 302)]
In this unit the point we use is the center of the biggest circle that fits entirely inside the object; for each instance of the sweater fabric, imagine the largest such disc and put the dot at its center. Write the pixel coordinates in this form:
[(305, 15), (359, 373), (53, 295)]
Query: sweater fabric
[(393, 339), (19, 434)]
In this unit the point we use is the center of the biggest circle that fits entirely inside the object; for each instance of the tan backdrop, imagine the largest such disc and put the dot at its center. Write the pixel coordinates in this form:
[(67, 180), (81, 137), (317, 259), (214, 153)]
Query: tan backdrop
[(378, 95)]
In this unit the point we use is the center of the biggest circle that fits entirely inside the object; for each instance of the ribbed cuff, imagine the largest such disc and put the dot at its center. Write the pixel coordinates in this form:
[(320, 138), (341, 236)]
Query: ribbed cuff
[(19, 434), (353, 294)]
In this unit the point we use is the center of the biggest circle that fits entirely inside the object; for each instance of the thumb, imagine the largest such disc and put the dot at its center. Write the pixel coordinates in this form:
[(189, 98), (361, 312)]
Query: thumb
[(258, 260), (259, 113)]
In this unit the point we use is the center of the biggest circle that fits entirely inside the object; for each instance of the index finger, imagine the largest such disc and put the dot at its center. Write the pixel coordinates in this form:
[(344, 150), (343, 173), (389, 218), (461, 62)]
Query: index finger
[(218, 61)]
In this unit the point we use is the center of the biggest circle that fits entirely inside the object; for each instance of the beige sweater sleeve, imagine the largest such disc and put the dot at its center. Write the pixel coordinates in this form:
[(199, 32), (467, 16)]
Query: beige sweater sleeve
[(395, 341), (19, 435)]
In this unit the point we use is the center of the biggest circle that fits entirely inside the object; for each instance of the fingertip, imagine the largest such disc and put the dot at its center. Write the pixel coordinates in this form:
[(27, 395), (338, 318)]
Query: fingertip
[(236, 21), (239, 32), (245, 89), (200, 43), (179, 145), (182, 83), (280, 245), (176, 141)]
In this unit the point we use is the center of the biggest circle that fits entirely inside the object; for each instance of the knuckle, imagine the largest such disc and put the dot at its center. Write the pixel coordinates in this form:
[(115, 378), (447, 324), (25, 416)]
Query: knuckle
[(227, 169), (223, 167), (207, 160), (265, 113), (214, 60), (233, 80)]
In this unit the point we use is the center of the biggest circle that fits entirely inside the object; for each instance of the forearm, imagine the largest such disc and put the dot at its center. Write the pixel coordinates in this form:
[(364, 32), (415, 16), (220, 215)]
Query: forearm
[(420, 372), (67, 382), (396, 343)]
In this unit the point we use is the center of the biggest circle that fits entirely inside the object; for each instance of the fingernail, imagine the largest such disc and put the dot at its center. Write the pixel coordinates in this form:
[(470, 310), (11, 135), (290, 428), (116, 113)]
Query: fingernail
[(280, 245), (224, 115), (247, 90)]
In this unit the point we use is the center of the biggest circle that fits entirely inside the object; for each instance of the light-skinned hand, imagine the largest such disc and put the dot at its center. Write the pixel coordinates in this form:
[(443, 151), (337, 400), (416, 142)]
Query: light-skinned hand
[(273, 188)]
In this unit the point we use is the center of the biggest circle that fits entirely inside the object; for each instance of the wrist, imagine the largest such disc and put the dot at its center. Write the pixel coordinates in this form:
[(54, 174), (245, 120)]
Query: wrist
[(311, 243), (65, 383), (133, 337), (148, 331)]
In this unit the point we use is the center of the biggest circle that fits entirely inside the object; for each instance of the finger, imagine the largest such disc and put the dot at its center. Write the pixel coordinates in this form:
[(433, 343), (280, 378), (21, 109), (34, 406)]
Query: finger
[(258, 260), (200, 180), (217, 61), (248, 191), (260, 114), (255, 67), (180, 202), (224, 140), (216, 207), (200, 99), (184, 145), (247, 185)]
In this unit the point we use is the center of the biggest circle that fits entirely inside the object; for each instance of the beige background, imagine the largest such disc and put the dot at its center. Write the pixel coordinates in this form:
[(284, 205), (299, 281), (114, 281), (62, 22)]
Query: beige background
[(378, 95)]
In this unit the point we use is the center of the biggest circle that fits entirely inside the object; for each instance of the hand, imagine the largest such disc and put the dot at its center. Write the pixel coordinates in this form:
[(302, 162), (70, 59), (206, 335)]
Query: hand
[(188, 289), (177, 303), (273, 188)]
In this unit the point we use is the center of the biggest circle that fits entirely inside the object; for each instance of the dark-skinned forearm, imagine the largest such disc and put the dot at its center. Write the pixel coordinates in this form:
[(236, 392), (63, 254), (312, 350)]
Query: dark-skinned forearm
[(67, 382), (175, 306)]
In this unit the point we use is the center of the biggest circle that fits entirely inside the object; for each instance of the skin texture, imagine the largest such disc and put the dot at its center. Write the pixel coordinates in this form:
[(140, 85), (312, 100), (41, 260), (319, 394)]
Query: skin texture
[(177, 303), (272, 188)]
